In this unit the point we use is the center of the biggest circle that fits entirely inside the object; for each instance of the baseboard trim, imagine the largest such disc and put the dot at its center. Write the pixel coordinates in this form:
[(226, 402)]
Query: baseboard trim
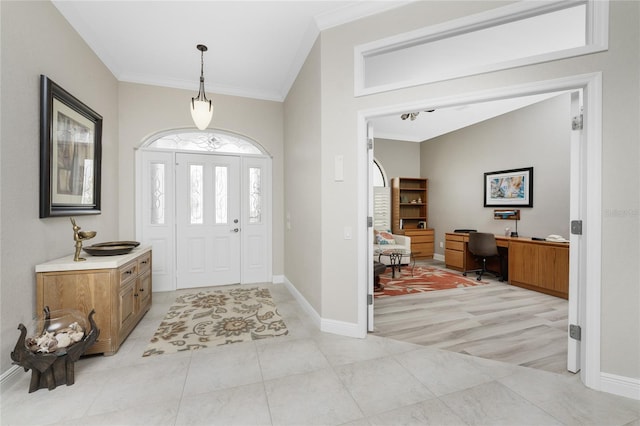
[(277, 279), (306, 306), (341, 328), (620, 385), (9, 377), (439, 257)]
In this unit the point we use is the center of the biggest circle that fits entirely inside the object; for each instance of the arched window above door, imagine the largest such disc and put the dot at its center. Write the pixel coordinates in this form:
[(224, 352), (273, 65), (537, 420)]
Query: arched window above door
[(379, 176), (214, 141)]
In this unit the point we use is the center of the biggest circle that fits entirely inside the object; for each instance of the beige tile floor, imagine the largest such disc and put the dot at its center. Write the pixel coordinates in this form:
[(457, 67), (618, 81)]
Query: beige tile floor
[(307, 378)]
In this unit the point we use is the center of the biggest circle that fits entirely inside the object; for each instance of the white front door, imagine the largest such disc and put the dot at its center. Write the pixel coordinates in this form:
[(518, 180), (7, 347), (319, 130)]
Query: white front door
[(207, 220)]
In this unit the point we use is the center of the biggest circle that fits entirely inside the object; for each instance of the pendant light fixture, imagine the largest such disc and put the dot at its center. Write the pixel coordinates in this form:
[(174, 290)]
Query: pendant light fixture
[(201, 107)]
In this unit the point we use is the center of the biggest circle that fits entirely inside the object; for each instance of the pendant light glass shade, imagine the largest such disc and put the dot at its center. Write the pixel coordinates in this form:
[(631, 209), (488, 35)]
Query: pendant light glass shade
[(201, 107), (201, 112)]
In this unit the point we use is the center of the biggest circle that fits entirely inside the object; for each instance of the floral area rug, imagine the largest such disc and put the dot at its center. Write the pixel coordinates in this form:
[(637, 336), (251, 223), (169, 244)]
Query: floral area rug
[(217, 317), (425, 279)]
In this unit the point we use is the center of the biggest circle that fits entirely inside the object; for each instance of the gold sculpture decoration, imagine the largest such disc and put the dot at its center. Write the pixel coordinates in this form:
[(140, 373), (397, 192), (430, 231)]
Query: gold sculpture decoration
[(80, 236)]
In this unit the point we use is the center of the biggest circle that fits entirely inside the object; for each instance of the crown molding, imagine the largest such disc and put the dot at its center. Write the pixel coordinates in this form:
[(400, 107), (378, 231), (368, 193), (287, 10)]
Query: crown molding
[(356, 11)]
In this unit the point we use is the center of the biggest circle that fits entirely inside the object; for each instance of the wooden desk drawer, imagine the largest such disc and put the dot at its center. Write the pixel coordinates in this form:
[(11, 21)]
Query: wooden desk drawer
[(454, 237), (454, 245), (454, 259)]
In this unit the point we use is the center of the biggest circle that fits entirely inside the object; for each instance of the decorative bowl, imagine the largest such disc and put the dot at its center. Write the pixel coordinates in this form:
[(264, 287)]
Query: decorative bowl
[(85, 235), (111, 248)]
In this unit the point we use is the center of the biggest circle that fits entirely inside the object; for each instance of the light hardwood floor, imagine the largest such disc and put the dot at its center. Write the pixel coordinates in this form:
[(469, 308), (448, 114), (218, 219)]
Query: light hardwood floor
[(496, 321)]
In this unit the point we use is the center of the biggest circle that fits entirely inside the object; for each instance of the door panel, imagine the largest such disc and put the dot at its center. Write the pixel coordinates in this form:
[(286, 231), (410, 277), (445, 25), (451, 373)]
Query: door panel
[(156, 214), (256, 208), (577, 262), (207, 216)]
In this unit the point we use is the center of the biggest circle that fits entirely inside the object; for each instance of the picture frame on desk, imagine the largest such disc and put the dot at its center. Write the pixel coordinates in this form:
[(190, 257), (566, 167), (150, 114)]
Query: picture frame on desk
[(509, 188)]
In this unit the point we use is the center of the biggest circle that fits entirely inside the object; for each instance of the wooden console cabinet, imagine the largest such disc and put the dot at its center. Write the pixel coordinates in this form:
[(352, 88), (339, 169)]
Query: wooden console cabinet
[(117, 287)]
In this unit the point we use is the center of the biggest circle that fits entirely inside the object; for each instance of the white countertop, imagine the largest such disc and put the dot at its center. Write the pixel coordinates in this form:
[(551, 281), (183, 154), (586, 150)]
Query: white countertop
[(66, 263)]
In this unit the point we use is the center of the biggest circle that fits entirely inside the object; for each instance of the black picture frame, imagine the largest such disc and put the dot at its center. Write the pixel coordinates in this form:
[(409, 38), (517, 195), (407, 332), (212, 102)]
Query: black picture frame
[(70, 153), (509, 188)]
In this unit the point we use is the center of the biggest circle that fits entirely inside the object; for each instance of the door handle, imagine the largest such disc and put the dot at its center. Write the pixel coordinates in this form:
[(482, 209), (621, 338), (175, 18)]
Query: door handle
[(235, 230)]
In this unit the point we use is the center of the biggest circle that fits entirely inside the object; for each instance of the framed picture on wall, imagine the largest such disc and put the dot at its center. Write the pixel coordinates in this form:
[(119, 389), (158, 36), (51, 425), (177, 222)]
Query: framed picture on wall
[(70, 153), (507, 188)]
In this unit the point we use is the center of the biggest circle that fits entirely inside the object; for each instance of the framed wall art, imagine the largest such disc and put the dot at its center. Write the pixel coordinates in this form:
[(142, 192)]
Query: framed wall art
[(508, 188), (70, 153)]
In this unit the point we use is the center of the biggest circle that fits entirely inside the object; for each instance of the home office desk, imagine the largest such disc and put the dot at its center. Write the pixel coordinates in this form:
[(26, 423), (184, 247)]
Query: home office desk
[(536, 265)]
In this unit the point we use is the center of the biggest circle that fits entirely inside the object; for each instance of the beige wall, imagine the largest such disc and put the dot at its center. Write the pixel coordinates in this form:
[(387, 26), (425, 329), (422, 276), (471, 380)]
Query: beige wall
[(145, 110), (37, 40), (303, 233), (398, 158), (537, 136), (620, 318)]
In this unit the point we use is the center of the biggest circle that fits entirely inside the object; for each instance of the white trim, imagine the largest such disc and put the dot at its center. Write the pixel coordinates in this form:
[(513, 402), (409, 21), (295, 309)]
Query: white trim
[(591, 84), (620, 385), (10, 377), (306, 306), (326, 325), (590, 313), (438, 256), (342, 328), (277, 279), (596, 40)]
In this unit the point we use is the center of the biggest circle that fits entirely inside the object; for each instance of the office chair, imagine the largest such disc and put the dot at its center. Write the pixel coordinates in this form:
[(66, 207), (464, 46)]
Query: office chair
[(483, 246)]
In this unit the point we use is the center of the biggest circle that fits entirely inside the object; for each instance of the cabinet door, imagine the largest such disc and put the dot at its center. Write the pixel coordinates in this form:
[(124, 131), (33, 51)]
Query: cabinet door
[(143, 292), (454, 259), (82, 291), (127, 305), (553, 272), (523, 263)]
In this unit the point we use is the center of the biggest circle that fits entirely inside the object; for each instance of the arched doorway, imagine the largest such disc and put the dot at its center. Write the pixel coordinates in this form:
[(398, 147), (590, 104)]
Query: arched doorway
[(204, 204)]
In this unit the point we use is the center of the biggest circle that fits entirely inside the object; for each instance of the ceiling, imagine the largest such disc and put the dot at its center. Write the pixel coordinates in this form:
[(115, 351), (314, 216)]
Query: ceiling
[(255, 49)]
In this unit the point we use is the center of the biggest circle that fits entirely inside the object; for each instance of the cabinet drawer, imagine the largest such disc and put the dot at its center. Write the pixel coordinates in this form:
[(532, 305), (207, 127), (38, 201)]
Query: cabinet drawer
[(144, 263), (421, 239), (454, 245), (128, 272), (454, 258), (454, 237)]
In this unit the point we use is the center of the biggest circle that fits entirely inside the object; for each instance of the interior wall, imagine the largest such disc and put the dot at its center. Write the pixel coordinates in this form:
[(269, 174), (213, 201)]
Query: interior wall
[(36, 39), (620, 317), (145, 110), (455, 164), (398, 158), (303, 232)]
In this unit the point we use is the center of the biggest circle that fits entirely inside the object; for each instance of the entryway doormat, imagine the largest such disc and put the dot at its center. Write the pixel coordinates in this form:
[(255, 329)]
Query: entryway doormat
[(424, 279), (217, 317)]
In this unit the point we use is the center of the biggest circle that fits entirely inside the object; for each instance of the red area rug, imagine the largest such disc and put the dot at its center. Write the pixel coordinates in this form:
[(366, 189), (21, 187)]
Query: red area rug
[(425, 279)]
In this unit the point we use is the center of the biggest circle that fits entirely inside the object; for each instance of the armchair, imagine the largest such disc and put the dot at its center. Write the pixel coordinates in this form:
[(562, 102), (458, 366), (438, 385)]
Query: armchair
[(384, 240)]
